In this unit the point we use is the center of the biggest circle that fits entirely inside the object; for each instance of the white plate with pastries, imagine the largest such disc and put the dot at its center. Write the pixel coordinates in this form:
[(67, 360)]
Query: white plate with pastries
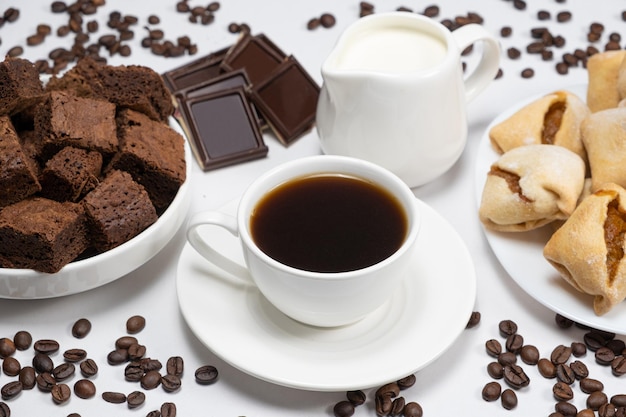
[(521, 253)]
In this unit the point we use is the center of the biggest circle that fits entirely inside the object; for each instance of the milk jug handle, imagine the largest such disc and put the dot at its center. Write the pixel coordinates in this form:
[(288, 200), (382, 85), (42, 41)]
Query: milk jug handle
[(489, 63)]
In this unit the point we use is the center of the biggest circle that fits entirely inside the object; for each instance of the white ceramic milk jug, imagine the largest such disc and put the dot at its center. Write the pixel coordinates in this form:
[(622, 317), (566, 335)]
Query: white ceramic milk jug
[(394, 93)]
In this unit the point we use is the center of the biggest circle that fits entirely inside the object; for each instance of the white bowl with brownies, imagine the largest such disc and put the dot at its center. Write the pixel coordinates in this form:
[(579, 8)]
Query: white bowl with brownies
[(93, 176)]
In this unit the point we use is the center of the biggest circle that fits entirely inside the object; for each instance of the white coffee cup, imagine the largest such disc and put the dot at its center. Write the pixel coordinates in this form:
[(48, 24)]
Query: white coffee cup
[(317, 298), (394, 93)]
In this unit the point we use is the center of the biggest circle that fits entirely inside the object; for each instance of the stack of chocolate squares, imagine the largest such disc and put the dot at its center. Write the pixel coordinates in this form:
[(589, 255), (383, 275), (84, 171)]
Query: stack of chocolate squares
[(226, 99)]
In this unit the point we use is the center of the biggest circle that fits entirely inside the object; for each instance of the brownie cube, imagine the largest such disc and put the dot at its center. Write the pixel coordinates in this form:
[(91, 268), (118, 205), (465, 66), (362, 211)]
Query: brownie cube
[(117, 210), (17, 178), (41, 234), (20, 85), (67, 120), (71, 174), (153, 153)]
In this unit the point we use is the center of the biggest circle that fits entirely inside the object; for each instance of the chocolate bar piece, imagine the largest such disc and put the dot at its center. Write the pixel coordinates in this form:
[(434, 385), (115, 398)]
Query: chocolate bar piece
[(222, 128), (256, 54), (195, 72), (287, 100)]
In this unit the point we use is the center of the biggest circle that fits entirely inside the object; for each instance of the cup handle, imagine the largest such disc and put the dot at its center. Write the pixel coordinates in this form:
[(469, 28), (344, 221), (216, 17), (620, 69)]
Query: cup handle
[(489, 64), (209, 253)]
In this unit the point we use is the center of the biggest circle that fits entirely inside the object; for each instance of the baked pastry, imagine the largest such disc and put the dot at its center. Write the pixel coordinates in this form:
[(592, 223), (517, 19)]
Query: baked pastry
[(21, 85), (588, 250), (553, 119), (604, 136), (602, 72), (531, 186)]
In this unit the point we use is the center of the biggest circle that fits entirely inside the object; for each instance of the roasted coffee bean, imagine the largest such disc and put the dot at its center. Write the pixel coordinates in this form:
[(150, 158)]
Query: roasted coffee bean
[(580, 369), (507, 358), (356, 397), (606, 410), (507, 328), (11, 366), (175, 366), (397, 406), (150, 380), (586, 412), (619, 400), (406, 382), (564, 16), (618, 366), (604, 355), (519, 4), (45, 381), (527, 73), (117, 356), (88, 368), (74, 355), (596, 339), (22, 341), (616, 345), (508, 399), (596, 399), (63, 371), (514, 343), (543, 15), (170, 383), (515, 376), (124, 342), (42, 363), (136, 323), (135, 399), (11, 14), (149, 364), (7, 347), (28, 377), (578, 349), (506, 31), (562, 68), (5, 411), (491, 391), (84, 388), (390, 390), (343, 409), (562, 391), (535, 47), (15, 51), (46, 346), (134, 372), (34, 40), (589, 385), (58, 7), (413, 409), (565, 374), (382, 405), (327, 20), (136, 351), (563, 322), (529, 354), (60, 393), (206, 374), (494, 347), (560, 354), (495, 370), (168, 409), (474, 320), (114, 397), (567, 409), (11, 390)]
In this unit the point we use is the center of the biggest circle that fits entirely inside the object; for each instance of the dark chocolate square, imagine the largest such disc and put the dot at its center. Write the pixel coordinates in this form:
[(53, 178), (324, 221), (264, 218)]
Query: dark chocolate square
[(256, 54), (222, 128), (195, 72), (287, 100)]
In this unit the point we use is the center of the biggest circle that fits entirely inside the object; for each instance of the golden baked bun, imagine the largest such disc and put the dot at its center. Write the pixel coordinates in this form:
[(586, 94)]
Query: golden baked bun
[(588, 249), (603, 74), (553, 119), (531, 186)]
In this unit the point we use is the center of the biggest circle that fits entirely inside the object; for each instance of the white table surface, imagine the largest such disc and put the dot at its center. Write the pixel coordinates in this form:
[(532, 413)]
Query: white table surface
[(449, 386)]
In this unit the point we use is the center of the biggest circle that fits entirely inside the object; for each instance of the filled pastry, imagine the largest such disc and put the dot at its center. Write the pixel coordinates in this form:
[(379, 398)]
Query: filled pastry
[(604, 136), (603, 71), (530, 186), (588, 249), (553, 119)]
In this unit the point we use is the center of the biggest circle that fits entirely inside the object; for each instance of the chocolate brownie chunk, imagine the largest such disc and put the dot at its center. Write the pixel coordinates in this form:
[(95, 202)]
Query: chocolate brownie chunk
[(20, 86), (70, 174), (117, 210), (153, 153), (66, 120), (17, 178), (133, 86), (41, 234)]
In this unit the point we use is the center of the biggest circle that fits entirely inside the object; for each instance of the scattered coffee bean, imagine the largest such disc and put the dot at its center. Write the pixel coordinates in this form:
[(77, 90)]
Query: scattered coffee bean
[(124, 342), (11, 390), (42, 363), (206, 374), (383, 404), (508, 399), (563, 17), (136, 351), (45, 381), (494, 347), (388, 390), (495, 370), (406, 382), (507, 358), (168, 409), (22, 340), (562, 391), (170, 383), (327, 20), (580, 369), (46, 346), (135, 399), (618, 366), (514, 343), (507, 328), (74, 355), (578, 349), (88, 368), (61, 393), (604, 355), (563, 322), (567, 409), (413, 409), (117, 357), (560, 354), (114, 397), (506, 31), (528, 73), (11, 366), (529, 354), (150, 380), (543, 15), (175, 366), (397, 406), (356, 397), (63, 371), (84, 388), (586, 412), (491, 391), (619, 400), (149, 364), (5, 411), (515, 376), (565, 374), (136, 323), (28, 377), (546, 368), (7, 347), (134, 372), (596, 399), (474, 320), (343, 409)]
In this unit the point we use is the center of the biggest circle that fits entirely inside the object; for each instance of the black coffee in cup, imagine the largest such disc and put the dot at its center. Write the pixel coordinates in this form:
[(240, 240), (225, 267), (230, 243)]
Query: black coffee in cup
[(329, 223)]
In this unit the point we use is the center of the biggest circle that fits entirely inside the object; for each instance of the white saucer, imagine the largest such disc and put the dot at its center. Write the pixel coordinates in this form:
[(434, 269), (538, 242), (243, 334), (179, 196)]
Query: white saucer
[(421, 321), (521, 254)]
